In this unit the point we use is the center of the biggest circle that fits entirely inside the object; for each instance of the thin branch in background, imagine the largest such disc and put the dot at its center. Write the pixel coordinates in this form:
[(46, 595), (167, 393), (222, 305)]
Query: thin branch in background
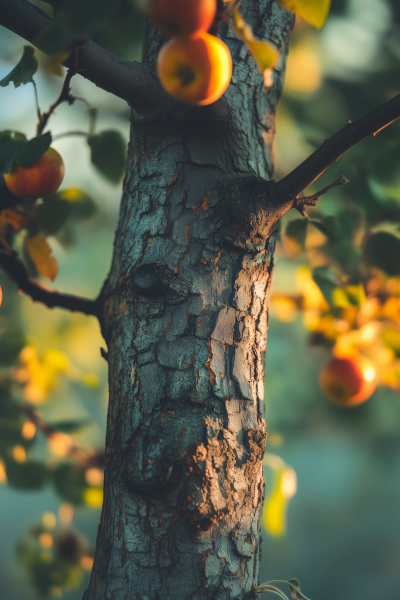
[(290, 187), (301, 203), (133, 82), (88, 458), (39, 114), (11, 264), (65, 96), (68, 133)]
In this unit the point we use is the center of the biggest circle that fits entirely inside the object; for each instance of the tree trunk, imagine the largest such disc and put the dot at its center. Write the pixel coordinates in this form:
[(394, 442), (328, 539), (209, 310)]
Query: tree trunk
[(185, 319)]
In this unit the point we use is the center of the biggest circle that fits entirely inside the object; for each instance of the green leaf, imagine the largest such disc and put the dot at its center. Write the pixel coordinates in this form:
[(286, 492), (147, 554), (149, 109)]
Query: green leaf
[(293, 584), (11, 344), (8, 154), (53, 40), (30, 475), (25, 69), (326, 281), (382, 250), (297, 229), (52, 214), (267, 587), (69, 481), (328, 226), (15, 149), (295, 590), (108, 154), (33, 149), (5, 136)]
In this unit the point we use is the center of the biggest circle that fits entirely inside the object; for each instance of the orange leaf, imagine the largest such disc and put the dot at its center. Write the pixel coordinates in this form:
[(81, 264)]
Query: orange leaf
[(314, 12), (263, 53), (40, 254), (13, 218)]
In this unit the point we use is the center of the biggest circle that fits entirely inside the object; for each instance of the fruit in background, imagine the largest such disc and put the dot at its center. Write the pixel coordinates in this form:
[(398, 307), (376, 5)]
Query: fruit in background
[(348, 381), (182, 18), (41, 179), (196, 71)]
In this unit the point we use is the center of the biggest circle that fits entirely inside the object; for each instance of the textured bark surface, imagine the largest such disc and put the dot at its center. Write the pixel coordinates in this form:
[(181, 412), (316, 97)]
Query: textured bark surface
[(185, 321)]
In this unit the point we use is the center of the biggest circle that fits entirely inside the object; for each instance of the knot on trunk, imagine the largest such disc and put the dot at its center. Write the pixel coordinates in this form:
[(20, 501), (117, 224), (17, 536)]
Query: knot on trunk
[(249, 213)]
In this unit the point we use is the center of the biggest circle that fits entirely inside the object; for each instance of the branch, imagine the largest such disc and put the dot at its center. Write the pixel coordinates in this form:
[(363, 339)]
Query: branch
[(131, 81), (65, 96), (289, 188), (18, 273), (301, 203)]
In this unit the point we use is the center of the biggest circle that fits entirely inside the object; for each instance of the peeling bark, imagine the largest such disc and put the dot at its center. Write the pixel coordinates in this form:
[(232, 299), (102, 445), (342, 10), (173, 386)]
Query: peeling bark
[(184, 315)]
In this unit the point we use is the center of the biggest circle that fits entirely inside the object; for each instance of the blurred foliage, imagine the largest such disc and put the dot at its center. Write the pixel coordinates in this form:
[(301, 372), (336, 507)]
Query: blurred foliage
[(345, 253)]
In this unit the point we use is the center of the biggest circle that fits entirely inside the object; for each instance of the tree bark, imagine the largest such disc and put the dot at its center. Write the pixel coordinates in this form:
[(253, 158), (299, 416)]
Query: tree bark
[(184, 314)]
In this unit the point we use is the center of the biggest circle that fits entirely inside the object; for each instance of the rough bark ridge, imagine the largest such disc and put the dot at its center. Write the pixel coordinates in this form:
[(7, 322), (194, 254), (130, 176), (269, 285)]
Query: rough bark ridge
[(185, 320)]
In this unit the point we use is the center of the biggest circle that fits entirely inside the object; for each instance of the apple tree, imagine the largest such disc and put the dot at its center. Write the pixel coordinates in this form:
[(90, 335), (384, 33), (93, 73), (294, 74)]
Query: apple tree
[(184, 308)]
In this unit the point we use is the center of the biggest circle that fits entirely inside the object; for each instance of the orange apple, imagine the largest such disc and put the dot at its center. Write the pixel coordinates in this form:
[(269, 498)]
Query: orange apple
[(348, 381), (195, 70), (182, 18), (41, 179)]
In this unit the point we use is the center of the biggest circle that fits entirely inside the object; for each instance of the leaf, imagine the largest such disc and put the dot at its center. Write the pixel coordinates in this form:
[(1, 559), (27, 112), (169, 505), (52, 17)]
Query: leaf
[(328, 226), (40, 253), (13, 218), (263, 52), (314, 12), (326, 281), (53, 40), (297, 229), (8, 153), (382, 250), (25, 69), (69, 481), (33, 149), (267, 587), (52, 214), (11, 344), (30, 475), (15, 149), (296, 592), (293, 584), (108, 154)]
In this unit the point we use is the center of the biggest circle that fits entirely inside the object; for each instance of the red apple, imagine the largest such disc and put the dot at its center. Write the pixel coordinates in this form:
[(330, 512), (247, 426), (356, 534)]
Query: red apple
[(41, 179)]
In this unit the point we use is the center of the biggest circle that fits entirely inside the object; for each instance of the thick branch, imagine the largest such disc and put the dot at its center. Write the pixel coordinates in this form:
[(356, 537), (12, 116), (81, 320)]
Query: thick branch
[(17, 271), (289, 188), (130, 81)]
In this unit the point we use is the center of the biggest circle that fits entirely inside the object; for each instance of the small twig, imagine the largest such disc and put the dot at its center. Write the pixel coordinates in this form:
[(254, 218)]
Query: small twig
[(84, 456), (301, 203), (68, 133), (11, 264), (39, 114), (65, 96)]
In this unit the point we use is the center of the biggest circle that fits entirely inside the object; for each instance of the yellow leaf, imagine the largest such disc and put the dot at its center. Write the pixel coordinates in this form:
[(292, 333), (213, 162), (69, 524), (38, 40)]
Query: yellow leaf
[(263, 53), (40, 254), (13, 218), (284, 487), (314, 12)]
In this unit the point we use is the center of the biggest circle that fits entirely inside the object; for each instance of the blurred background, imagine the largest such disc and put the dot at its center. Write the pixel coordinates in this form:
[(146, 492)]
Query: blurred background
[(333, 473)]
